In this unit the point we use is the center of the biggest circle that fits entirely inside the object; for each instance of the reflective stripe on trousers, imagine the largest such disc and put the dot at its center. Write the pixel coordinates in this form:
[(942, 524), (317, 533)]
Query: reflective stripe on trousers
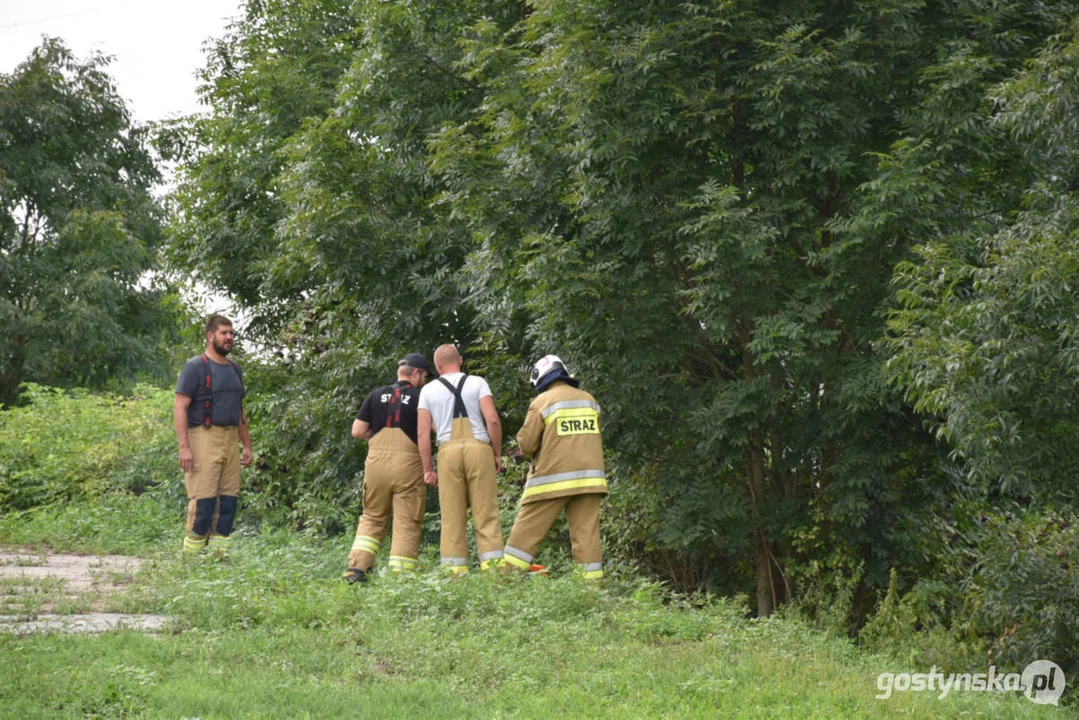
[(398, 563), (490, 560), (194, 545), (366, 543), (518, 558), (591, 571), (455, 565)]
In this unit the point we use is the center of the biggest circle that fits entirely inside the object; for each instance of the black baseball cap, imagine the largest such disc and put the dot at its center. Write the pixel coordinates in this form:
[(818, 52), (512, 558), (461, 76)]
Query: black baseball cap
[(417, 361)]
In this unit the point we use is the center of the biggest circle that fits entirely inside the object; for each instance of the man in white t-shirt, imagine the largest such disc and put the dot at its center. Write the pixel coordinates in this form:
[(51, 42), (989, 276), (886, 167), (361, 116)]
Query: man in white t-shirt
[(460, 410)]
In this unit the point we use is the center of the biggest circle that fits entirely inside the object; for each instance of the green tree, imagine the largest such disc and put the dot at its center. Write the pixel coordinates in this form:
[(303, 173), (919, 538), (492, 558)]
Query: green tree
[(700, 206), (78, 228), (986, 339), (306, 194), (274, 68)]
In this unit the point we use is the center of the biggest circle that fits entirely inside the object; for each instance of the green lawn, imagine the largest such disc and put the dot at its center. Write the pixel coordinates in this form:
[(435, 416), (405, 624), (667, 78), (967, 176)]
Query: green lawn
[(274, 632)]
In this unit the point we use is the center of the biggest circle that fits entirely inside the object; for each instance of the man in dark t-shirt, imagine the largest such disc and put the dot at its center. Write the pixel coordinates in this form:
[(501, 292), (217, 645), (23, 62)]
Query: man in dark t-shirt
[(208, 415), (393, 474)]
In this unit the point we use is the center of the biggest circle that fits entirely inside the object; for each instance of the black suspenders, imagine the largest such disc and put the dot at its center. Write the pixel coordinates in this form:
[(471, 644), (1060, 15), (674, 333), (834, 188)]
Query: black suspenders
[(459, 410)]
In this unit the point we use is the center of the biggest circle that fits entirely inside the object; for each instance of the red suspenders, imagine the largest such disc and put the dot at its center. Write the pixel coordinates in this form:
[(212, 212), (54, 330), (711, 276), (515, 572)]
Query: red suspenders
[(393, 418), (207, 404)]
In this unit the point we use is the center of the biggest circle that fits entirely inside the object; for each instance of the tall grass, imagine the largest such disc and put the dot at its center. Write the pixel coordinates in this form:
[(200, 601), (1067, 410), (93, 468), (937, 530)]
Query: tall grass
[(274, 632)]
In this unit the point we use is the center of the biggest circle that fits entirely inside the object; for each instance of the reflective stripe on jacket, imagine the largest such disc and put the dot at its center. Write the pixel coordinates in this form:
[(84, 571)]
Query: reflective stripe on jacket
[(562, 435)]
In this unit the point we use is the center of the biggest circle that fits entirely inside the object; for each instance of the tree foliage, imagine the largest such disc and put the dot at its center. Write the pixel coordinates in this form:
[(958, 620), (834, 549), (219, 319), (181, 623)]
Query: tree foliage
[(78, 228), (987, 337), (699, 206), (707, 235), (307, 194)]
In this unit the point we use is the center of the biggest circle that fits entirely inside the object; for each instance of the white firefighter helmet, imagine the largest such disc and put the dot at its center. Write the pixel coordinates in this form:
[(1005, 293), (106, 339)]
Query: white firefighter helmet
[(545, 366)]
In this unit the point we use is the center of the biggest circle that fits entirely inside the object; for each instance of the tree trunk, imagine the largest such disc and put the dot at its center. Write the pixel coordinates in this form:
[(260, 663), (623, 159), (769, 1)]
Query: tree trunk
[(11, 376), (757, 485), (762, 573), (762, 564)]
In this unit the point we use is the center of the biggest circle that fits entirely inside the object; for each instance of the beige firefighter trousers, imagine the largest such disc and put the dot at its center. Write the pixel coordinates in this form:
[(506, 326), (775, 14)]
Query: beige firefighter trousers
[(536, 518), (393, 484), (466, 478), (216, 471)]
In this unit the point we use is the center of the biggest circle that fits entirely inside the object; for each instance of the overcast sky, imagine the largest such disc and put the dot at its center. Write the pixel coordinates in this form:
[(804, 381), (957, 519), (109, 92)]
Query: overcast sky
[(157, 47), (157, 44)]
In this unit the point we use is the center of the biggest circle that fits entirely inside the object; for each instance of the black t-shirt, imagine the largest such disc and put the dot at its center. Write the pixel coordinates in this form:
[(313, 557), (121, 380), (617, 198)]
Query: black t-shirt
[(380, 406)]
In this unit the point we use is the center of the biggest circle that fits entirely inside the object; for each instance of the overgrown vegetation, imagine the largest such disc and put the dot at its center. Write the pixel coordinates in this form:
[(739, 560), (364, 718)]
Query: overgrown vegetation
[(73, 446), (791, 248), (275, 633), (817, 262), (1002, 590)]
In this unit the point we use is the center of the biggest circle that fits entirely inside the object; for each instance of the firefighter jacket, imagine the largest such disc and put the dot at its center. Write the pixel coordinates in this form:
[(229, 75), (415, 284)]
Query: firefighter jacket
[(561, 434)]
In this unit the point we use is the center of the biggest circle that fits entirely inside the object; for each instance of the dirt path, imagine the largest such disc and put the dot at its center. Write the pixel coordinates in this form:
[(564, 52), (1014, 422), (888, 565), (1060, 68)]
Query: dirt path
[(68, 593)]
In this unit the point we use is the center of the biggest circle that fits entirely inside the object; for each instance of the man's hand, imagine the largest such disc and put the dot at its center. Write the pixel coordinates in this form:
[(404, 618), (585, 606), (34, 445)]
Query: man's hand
[(246, 457), (187, 459), (498, 464), (431, 478)]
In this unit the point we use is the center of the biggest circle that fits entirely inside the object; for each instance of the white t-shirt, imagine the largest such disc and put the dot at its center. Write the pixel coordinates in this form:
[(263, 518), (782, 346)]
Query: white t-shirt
[(437, 398)]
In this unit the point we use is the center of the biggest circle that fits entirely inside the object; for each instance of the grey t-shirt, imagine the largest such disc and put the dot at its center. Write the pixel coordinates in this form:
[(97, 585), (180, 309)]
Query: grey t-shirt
[(226, 384)]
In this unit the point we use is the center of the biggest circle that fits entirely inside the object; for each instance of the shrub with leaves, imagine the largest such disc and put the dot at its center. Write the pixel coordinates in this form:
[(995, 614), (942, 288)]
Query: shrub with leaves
[(1004, 594), (1023, 587), (67, 445)]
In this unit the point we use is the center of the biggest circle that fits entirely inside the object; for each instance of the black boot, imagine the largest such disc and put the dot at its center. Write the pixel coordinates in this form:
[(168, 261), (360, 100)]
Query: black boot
[(355, 576)]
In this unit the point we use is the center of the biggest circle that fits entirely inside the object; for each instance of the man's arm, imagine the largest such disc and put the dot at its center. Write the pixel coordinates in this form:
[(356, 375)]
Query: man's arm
[(361, 430), (494, 428), (245, 438), (423, 440), (179, 422), (530, 435)]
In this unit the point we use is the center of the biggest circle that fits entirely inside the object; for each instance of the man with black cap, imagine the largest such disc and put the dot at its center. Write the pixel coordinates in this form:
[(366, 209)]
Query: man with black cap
[(393, 475), (561, 434)]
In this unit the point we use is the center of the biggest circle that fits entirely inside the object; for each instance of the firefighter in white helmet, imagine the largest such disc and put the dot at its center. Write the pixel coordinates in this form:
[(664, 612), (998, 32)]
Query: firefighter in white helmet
[(561, 435)]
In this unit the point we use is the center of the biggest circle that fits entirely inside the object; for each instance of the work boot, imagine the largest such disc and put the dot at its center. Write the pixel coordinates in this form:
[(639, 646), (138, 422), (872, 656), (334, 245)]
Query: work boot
[(355, 576)]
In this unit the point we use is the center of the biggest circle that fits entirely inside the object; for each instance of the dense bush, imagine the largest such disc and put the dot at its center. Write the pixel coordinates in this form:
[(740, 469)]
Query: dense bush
[(1023, 584), (69, 445), (985, 339), (1004, 594)]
